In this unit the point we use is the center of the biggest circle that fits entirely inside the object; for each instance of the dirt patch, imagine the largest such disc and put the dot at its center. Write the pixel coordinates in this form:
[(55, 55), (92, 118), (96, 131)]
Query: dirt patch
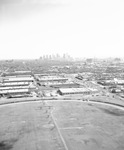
[(114, 112), (7, 145), (32, 126)]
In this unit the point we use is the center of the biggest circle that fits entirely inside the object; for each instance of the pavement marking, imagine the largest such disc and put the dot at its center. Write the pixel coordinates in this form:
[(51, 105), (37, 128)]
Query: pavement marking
[(71, 128), (65, 145)]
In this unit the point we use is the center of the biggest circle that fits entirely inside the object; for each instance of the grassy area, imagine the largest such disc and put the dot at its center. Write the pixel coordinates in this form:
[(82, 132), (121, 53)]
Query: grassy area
[(90, 126), (28, 127), (61, 125)]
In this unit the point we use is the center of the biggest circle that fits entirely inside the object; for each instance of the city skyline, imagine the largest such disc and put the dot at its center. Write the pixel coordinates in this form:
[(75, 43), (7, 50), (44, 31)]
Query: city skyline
[(29, 29)]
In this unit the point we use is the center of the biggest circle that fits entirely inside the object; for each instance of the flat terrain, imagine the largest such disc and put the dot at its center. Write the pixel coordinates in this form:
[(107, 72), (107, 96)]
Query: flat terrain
[(61, 125), (28, 126), (90, 126)]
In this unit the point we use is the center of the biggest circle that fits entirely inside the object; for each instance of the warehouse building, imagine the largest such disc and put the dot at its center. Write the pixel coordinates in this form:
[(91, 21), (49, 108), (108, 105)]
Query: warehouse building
[(17, 87), (63, 91), (16, 73), (21, 85), (14, 91), (93, 90), (12, 84), (106, 83), (41, 75), (13, 88), (111, 82), (18, 76), (65, 85), (120, 82), (18, 79), (52, 79)]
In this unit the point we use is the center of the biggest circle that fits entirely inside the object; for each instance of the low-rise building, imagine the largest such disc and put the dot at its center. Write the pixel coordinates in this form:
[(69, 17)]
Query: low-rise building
[(16, 73), (65, 85), (66, 91), (13, 88), (18, 79), (52, 79), (12, 84), (14, 91)]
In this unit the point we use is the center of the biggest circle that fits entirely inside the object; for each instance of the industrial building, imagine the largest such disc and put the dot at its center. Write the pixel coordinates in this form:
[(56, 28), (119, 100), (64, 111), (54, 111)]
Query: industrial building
[(17, 79), (17, 86), (12, 84), (30, 86), (106, 83), (52, 79), (63, 91), (57, 82), (65, 85), (14, 91), (119, 82), (41, 75), (16, 73), (111, 82), (13, 88)]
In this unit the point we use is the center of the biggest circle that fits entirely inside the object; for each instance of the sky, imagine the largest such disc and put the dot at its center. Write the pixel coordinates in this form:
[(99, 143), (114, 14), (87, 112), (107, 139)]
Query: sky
[(82, 28)]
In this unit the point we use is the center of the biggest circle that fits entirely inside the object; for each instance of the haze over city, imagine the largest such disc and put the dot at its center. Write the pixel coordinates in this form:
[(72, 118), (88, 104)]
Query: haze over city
[(81, 28)]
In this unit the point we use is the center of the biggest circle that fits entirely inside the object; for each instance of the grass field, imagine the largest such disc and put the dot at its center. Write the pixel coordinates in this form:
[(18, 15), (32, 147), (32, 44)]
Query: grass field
[(90, 126), (28, 127), (65, 125)]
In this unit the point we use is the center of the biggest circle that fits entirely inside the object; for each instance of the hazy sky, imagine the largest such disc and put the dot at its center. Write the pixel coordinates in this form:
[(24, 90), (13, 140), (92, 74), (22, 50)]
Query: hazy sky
[(81, 28)]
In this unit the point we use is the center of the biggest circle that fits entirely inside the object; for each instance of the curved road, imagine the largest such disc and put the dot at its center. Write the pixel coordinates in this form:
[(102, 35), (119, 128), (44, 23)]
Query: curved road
[(43, 100)]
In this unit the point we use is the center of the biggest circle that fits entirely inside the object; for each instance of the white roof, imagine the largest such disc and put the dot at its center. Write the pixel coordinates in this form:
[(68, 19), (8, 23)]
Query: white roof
[(92, 89), (45, 78), (74, 90), (14, 91), (26, 71), (17, 76), (15, 83), (15, 87), (19, 79), (120, 81), (59, 83)]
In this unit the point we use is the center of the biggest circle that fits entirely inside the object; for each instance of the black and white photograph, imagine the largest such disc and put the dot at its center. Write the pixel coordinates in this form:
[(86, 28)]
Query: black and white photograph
[(61, 75)]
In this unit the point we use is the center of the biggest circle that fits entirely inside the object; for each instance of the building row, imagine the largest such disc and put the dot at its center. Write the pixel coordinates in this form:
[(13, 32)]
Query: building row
[(17, 79), (111, 82), (52, 79), (17, 86), (17, 73)]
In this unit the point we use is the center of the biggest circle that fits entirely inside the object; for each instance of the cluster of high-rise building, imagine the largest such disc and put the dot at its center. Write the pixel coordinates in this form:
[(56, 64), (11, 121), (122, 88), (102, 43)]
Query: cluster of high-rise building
[(57, 57)]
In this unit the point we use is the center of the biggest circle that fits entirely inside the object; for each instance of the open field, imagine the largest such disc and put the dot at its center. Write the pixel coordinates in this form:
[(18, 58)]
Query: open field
[(28, 127), (89, 126), (61, 125)]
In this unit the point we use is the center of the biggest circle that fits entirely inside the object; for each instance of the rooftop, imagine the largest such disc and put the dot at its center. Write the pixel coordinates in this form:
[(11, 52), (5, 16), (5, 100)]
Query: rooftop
[(73, 90), (14, 91), (18, 79), (13, 83)]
